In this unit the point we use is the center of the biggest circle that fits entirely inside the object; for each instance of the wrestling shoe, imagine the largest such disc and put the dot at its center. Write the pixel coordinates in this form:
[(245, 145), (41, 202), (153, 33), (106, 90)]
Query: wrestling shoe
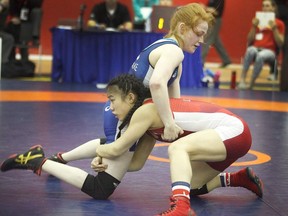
[(58, 158), (33, 160), (179, 206), (249, 180)]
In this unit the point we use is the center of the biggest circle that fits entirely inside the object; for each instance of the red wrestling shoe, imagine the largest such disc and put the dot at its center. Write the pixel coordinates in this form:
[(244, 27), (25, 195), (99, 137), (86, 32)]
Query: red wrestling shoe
[(249, 180), (179, 206)]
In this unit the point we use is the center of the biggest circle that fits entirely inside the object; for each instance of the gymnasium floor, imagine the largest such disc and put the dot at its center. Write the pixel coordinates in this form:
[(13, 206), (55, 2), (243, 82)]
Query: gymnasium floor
[(63, 116)]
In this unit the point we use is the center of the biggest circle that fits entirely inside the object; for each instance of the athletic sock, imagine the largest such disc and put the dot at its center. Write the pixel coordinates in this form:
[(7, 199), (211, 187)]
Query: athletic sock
[(180, 188), (225, 179)]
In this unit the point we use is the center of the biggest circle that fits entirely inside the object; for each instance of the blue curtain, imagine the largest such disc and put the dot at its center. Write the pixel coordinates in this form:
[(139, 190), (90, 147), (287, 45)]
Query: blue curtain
[(96, 57)]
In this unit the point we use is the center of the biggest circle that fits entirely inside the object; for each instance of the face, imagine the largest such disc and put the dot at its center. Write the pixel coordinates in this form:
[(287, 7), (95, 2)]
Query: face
[(120, 106), (193, 38), (5, 2), (267, 6), (166, 2)]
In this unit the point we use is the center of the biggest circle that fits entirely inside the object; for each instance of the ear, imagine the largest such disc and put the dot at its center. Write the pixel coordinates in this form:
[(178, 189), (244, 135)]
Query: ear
[(131, 97), (182, 28)]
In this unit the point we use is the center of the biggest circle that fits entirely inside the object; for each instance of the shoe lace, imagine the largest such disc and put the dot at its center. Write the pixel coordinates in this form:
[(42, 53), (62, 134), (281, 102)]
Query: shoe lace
[(23, 159), (172, 206)]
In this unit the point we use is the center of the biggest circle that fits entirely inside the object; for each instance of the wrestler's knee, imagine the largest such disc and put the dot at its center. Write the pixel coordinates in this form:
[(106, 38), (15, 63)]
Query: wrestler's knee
[(177, 146)]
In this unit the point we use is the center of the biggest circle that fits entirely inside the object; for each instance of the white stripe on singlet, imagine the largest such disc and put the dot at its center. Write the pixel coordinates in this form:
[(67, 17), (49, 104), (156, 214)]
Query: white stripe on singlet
[(226, 125)]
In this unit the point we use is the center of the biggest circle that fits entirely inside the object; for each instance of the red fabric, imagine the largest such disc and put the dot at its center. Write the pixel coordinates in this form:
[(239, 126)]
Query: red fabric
[(181, 192), (268, 41)]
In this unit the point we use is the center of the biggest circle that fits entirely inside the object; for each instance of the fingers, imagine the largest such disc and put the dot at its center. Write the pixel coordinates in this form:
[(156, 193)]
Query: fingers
[(255, 22), (99, 168), (172, 133), (168, 139), (97, 165), (181, 132), (272, 24)]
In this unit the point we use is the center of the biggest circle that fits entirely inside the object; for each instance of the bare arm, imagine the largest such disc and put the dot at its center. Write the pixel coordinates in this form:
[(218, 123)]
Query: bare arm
[(93, 23), (169, 58), (279, 38), (174, 89), (143, 150), (140, 122), (252, 32)]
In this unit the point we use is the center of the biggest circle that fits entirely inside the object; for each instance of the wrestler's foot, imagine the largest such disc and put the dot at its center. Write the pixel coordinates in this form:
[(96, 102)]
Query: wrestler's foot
[(58, 158), (242, 86), (33, 160), (179, 206), (249, 180)]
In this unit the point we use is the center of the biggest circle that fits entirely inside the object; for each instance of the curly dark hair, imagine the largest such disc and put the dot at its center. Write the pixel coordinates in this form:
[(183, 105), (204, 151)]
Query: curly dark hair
[(130, 83)]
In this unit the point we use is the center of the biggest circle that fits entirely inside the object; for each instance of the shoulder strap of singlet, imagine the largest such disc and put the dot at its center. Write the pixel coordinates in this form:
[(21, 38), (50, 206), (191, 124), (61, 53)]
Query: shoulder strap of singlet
[(161, 41), (148, 100)]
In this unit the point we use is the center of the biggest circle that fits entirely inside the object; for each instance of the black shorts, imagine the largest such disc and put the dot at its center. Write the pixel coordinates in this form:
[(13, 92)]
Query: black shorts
[(101, 186)]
